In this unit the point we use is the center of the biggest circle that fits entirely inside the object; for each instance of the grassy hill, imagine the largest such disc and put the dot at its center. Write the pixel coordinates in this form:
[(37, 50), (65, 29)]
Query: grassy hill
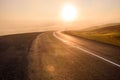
[(109, 28), (109, 34)]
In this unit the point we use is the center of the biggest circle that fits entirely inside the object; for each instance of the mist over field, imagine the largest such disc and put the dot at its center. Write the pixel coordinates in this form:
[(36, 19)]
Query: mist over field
[(7, 28), (22, 16), (12, 28)]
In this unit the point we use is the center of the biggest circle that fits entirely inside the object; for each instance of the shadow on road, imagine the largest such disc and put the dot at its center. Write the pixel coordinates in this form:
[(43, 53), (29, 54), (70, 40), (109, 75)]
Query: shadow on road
[(14, 51)]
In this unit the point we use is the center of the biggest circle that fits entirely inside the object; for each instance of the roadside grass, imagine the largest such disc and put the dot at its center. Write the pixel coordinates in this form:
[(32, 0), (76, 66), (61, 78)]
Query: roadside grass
[(14, 51), (105, 35)]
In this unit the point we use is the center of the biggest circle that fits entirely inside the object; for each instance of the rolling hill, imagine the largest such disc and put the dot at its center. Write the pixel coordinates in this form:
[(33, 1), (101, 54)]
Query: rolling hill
[(109, 34)]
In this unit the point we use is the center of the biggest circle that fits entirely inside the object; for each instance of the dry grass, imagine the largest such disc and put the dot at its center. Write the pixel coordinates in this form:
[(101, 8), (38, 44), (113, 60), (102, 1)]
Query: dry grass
[(109, 34)]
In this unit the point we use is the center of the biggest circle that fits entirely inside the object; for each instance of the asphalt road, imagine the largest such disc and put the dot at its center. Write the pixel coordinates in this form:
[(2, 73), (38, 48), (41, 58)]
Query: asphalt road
[(58, 56)]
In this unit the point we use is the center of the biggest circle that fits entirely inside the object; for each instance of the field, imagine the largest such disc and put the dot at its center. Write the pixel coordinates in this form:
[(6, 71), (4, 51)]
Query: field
[(13, 55), (109, 34)]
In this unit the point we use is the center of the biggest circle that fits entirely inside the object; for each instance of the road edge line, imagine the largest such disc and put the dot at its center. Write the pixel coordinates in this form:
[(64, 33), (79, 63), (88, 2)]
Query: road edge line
[(109, 61)]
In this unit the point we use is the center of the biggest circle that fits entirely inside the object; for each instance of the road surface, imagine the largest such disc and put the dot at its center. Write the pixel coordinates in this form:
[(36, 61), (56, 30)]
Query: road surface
[(58, 56)]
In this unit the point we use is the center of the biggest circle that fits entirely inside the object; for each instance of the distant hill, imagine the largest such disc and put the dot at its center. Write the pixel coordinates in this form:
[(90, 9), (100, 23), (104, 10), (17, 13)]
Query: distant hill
[(109, 28), (103, 27)]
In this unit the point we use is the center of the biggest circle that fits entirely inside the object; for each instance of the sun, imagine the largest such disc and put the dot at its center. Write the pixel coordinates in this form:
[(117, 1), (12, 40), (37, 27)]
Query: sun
[(69, 12)]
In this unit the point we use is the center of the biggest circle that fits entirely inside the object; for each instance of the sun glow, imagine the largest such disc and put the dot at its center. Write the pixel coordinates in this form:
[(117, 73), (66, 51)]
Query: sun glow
[(69, 12)]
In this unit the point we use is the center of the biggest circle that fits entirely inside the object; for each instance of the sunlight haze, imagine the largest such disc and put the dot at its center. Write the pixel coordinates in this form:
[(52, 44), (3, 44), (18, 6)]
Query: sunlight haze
[(31, 15), (69, 12)]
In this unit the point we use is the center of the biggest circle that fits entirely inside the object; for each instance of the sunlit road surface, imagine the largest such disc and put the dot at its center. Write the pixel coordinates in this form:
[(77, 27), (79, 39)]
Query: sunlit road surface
[(58, 56)]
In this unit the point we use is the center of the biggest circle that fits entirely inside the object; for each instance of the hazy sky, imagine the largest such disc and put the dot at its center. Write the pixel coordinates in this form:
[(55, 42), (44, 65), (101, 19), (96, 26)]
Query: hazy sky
[(37, 11)]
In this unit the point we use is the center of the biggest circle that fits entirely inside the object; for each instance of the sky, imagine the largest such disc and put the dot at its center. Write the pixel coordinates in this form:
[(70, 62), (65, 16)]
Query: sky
[(23, 15)]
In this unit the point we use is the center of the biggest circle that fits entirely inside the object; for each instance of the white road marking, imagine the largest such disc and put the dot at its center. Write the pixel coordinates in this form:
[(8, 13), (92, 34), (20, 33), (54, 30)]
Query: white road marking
[(66, 42)]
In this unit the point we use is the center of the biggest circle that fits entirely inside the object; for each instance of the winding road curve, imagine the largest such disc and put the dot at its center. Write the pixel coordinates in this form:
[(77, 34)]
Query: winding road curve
[(58, 56)]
